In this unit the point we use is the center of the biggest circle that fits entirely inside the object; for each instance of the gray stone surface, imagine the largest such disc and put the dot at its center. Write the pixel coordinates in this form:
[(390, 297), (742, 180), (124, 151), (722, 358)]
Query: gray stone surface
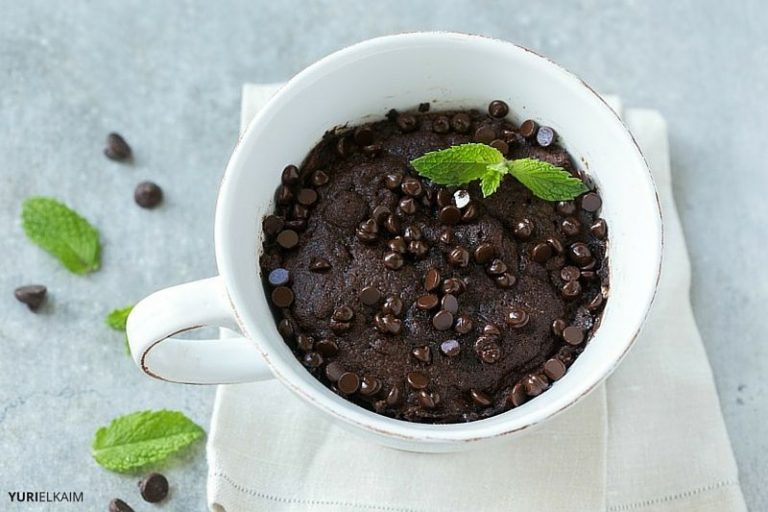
[(168, 74)]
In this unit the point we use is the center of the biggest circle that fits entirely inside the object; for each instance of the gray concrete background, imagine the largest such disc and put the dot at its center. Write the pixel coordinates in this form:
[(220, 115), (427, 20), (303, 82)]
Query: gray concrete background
[(168, 74)]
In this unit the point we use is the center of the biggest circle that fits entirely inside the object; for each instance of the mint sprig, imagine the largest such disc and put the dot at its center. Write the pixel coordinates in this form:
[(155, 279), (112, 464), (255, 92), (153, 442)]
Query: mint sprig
[(459, 165), (143, 438), (63, 233), (116, 319)]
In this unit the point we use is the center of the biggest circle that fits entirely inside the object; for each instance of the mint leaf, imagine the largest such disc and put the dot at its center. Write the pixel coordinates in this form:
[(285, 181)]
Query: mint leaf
[(63, 233), (458, 164), (142, 438), (117, 318), (491, 180), (545, 180)]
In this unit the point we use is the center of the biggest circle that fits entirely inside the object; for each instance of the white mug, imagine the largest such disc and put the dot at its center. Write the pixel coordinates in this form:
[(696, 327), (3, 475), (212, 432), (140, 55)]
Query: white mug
[(359, 84)]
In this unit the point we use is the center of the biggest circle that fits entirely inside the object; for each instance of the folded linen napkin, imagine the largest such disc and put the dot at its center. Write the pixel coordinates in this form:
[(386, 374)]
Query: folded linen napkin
[(651, 439)]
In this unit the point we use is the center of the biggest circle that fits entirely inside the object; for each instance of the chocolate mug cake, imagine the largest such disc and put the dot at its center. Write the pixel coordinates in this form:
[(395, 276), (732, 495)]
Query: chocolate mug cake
[(427, 302)]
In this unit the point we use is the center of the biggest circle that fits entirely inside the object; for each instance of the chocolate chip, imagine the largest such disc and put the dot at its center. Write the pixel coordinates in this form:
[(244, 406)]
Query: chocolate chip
[(397, 245), (279, 277), (565, 208), (588, 274), (496, 268), (285, 328), (570, 226), (370, 295), (484, 253), (333, 371), (590, 265), (343, 313), (417, 380), (380, 214), (454, 286), (427, 302), (528, 128), (599, 229), (487, 350), (444, 198), (450, 304), (411, 233), (363, 136), (312, 360), (449, 215), (463, 324), (432, 279), (441, 124), (523, 229), (319, 264), (117, 148), (517, 317), (282, 296), (443, 320), (395, 396), (541, 252), (535, 384), (571, 290), (423, 354), (580, 254), (480, 398), (299, 211), (388, 324), (446, 236), (484, 134), (407, 122), (344, 147), (470, 213), (393, 261), (370, 386), (320, 178), (288, 239), (296, 224), (306, 197), (501, 146), (573, 335), (554, 369), (498, 108), (545, 136), (450, 348), (461, 122), (154, 488), (305, 343), (272, 225), (32, 295), (426, 400), (327, 348), (393, 305), (570, 273), (596, 302), (558, 325), (348, 383), (118, 505), (518, 396), (591, 202), (491, 330), (458, 257), (283, 195), (412, 187), (407, 205), (555, 244), (148, 194), (290, 175), (505, 280), (338, 326), (424, 107), (393, 180), (367, 231)]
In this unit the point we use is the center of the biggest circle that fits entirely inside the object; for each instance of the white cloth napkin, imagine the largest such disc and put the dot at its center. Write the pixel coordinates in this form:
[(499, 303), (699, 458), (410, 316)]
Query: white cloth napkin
[(651, 439)]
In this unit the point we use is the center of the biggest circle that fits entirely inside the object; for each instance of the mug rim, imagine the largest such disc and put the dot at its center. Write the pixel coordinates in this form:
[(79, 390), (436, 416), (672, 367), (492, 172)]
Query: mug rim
[(346, 410)]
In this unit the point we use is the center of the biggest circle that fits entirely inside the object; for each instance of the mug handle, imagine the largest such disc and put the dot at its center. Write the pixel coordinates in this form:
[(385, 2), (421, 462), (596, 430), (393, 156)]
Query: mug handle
[(155, 321)]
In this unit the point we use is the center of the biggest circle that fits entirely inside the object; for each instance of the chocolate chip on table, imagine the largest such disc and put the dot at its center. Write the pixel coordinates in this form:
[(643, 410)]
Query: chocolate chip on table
[(393, 260), (461, 122), (407, 205), (333, 371), (573, 335), (535, 384), (498, 109), (393, 180), (541, 252), (348, 383), (449, 215), (518, 396), (432, 279), (32, 295), (393, 305), (363, 136), (154, 488), (565, 208), (370, 386), (327, 348), (528, 128), (441, 124), (407, 122), (273, 225), (580, 254), (501, 146), (148, 194), (370, 295), (427, 302), (305, 343), (417, 380), (487, 350), (282, 297), (484, 253), (484, 135), (117, 148), (591, 202), (558, 326), (599, 229), (480, 398), (118, 505), (554, 369), (450, 304), (319, 264), (423, 354), (517, 318), (458, 257), (443, 320), (523, 229), (571, 289), (306, 197), (454, 286), (290, 175), (288, 239), (450, 348), (279, 277), (412, 187), (545, 136), (463, 324), (320, 178)]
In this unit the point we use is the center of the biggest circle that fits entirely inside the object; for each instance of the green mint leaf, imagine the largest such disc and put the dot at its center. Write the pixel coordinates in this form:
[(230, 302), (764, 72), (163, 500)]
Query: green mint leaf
[(139, 439), (545, 180), (457, 165), (63, 233), (117, 318), (491, 180)]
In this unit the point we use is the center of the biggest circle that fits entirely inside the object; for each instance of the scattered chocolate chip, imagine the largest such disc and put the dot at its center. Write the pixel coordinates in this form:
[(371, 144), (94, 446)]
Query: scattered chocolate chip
[(443, 320), (283, 195), (393, 261), (565, 208), (417, 380), (558, 325), (517, 318), (450, 348), (599, 229), (498, 109), (305, 343), (528, 128), (333, 371), (148, 194), (393, 305), (282, 296), (367, 231), (446, 236), (306, 197), (344, 147), (541, 252), (523, 229), (545, 136), (407, 122), (454, 286), (590, 265), (444, 198), (484, 135), (588, 274), (427, 302), (426, 400), (570, 273), (363, 136), (370, 386), (154, 488), (449, 215), (117, 148), (327, 348), (458, 257), (479, 398), (279, 277), (505, 280), (312, 360), (573, 335), (491, 330), (461, 122), (591, 202), (555, 244), (319, 264), (397, 245), (288, 239), (370, 295), (487, 350), (118, 505), (412, 187), (470, 213), (348, 383), (571, 290), (570, 226), (500, 145), (285, 328), (343, 313), (296, 224), (580, 254), (290, 175), (407, 205), (596, 302), (272, 225), (381, 213), (484, 253), (32, 295), (395, 396), (463, 324), (450, 304), (388, 324), (412, 233), (554, 369), (518, 396), (320, 178), (393, 180), (441, 124), (535, 384), (423, 354), (299, 211), (496, 268), (432, 279)]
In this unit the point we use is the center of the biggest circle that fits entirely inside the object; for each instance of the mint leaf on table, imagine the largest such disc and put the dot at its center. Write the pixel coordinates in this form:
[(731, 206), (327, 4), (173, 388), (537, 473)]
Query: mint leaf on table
[(116, 319), (459, 165), (142, 438), (63, 233)]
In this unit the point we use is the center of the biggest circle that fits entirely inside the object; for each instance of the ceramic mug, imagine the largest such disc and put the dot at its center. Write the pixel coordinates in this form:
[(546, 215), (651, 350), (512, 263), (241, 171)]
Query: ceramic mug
[(359, 84)]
